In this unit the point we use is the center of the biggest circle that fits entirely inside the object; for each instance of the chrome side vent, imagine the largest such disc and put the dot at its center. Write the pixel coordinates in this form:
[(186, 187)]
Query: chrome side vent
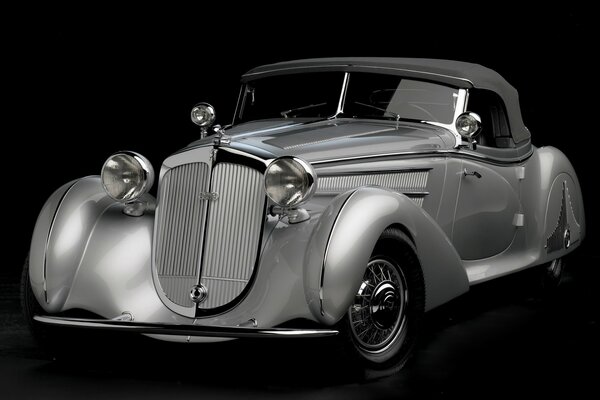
[(412, 183), (567, 230)]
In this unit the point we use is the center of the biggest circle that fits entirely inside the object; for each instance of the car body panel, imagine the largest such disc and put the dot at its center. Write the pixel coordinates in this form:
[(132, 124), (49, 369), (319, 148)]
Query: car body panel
[(489, 201)]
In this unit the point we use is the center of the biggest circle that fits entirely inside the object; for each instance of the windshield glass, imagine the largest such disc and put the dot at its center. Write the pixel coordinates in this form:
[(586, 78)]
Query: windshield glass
[(313, 95), (373, 96)]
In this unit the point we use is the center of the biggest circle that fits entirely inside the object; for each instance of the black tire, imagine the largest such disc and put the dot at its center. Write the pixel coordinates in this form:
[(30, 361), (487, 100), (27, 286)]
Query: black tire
[(56, 343), (381, 328), (551, 276)]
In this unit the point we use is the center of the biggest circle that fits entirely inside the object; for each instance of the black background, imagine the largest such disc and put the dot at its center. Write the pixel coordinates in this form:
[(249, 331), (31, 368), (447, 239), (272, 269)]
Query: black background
[(83, 84), (80, 84)]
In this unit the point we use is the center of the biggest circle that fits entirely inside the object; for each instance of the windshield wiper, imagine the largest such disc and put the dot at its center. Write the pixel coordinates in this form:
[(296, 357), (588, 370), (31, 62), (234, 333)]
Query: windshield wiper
[(285, 113), (396, 116)]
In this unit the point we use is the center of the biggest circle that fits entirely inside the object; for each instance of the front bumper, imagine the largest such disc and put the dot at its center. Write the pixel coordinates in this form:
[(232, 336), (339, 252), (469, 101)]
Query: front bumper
[(185, 330)]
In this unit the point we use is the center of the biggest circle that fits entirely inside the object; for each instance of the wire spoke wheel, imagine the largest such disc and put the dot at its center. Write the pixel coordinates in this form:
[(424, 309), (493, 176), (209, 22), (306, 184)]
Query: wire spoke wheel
[(378, 316), (380, 329)]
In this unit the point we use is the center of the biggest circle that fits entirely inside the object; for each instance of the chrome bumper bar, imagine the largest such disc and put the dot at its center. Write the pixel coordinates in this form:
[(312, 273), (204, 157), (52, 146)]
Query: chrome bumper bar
[(185, 330)]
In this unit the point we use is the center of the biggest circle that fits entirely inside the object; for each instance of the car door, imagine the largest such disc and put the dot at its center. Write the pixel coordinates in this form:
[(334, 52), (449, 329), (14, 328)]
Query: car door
[(487, 209)]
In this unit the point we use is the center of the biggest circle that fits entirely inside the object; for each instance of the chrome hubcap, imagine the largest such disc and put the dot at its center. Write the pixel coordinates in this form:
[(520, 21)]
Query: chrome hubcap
[(378, 314), (384, 305)]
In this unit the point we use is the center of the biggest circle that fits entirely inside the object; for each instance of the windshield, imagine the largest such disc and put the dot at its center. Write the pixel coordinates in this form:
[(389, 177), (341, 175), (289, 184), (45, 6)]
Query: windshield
[(367, 95)]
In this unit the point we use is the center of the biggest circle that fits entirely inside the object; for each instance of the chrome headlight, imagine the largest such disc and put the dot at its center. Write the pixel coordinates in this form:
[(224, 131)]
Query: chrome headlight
[(126, 176), (290, 181)]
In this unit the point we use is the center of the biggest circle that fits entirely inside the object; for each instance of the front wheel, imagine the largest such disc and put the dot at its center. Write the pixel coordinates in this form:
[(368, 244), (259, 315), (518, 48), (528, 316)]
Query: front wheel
[(30, 307), (54, 342), (381, 327)]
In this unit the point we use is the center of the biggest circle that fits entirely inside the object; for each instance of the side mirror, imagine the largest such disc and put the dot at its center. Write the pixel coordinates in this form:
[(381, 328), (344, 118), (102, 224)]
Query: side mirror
[(468, 126), (203, 115)]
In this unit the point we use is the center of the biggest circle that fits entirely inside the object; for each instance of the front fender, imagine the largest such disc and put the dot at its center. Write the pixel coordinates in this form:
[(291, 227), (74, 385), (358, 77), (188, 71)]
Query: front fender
[(345, 236), (60, 239)]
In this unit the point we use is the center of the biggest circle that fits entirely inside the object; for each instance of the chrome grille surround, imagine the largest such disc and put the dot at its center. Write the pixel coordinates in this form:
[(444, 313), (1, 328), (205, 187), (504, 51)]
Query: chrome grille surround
[(213, 239)]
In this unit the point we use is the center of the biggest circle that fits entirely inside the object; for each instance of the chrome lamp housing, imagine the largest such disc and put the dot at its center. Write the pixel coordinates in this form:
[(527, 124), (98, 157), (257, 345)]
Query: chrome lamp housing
[(468, 126), (290, 181), (203, 115), (126, 176)]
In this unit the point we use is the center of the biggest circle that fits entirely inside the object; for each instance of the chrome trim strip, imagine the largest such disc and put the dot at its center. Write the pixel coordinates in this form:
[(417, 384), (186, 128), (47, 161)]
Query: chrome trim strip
[(373, 172), (245, 154), (416, 194), (44, 272), (461, 107), (408, 194), (185, 330), (342, 101), (432, 153), (241, 98), (225, 279), (322, 278)]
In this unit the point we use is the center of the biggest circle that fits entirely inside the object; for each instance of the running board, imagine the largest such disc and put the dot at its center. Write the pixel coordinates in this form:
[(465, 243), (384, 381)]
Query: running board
[(185, 330)]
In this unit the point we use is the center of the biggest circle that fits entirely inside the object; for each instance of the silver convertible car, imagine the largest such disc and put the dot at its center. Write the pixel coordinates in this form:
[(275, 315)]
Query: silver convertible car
[(348, 197)]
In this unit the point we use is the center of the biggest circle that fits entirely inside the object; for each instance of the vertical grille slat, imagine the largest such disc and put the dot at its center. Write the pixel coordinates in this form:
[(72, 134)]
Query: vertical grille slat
[(229, 228)]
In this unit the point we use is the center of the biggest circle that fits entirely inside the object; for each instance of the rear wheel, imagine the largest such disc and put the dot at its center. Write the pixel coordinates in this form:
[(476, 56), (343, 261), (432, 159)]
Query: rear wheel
[(381, 327), (552, 276)]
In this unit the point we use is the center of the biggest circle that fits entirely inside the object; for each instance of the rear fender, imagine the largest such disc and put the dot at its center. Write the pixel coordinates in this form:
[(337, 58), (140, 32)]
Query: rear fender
[(553, 204), (345, 237)]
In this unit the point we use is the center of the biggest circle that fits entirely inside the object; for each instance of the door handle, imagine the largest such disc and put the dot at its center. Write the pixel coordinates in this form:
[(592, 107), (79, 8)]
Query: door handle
[(474, 173)]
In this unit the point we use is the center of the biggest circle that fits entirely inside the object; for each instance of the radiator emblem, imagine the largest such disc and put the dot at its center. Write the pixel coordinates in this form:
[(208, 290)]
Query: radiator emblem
[(208, 196)]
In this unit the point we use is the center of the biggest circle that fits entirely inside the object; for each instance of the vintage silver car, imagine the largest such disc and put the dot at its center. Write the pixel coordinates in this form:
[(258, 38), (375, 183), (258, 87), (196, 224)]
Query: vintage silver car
[(348, 197)]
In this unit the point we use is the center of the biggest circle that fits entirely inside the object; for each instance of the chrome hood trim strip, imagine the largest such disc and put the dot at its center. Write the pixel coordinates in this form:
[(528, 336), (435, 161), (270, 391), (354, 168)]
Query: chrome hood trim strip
[(434, 153)]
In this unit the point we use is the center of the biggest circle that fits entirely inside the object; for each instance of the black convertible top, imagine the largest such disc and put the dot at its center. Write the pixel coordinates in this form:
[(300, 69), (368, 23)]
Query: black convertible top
[(455, 73)]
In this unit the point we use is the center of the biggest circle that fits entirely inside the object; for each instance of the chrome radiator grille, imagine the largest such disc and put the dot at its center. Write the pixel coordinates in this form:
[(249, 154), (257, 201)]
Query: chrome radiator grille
[(180, 221), (233, 231), (215, 242)]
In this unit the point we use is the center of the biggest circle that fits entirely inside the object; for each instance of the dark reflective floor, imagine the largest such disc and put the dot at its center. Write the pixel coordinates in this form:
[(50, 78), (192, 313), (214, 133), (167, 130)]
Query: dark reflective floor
[(502, 339)]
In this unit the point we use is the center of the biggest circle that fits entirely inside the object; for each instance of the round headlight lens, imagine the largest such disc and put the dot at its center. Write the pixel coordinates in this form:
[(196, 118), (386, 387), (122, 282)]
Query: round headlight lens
[(203, 115), (468, 124), (126, 176), (290, 181)]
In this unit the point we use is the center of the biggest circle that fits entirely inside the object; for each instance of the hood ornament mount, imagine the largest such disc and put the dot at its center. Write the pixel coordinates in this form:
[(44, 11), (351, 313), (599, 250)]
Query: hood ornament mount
[(221, 138)]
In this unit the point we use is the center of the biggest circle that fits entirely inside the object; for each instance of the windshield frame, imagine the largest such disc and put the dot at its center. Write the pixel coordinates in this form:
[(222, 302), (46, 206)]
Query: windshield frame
[(461, 102)]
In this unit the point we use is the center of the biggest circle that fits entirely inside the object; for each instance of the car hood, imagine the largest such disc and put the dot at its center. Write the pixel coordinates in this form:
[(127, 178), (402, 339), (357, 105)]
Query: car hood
[(336, 138)]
